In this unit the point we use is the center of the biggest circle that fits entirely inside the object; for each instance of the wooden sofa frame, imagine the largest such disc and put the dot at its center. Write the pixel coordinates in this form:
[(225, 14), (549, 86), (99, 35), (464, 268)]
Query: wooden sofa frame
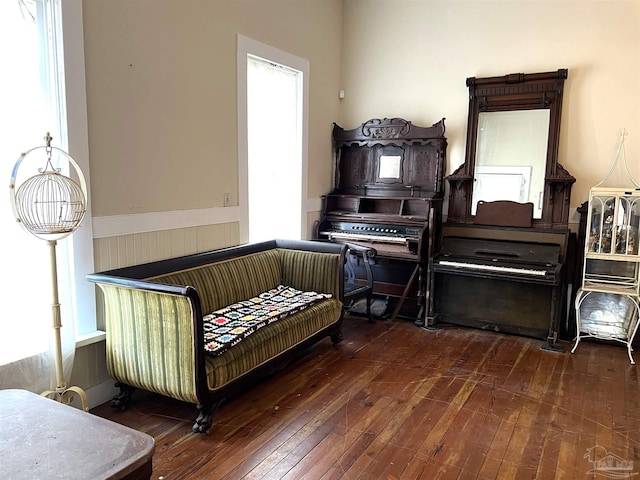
[(133, 297)]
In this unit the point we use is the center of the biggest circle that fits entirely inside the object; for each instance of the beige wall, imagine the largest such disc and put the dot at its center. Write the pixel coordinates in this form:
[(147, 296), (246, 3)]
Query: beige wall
[(161, 89), (410, 58)]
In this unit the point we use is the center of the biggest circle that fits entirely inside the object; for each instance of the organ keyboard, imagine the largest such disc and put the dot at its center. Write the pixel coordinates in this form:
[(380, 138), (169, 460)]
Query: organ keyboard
[(371, 232), (363, 237)]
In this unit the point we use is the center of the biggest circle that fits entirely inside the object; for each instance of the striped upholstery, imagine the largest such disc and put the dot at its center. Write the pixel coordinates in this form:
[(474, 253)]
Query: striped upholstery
[(150, 341), (307, 271), (229, 281), (150, 335), (269, 341)]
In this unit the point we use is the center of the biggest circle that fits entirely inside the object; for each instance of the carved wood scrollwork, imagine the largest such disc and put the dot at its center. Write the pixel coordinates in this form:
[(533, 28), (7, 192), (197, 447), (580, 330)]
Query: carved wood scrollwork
[(386, 128)]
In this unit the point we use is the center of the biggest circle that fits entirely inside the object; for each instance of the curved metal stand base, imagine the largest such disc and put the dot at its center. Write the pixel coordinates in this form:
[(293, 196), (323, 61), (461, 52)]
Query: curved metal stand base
[(65, 395), (628, 344), (629, 331)]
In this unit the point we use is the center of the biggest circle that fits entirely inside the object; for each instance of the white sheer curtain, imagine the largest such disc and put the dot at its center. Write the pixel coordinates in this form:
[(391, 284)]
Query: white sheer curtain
[(32, 105), (274, 151)]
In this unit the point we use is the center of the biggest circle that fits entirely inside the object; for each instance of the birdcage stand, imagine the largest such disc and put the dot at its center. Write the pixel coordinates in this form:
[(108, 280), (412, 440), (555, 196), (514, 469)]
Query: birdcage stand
[(51, 206), (62, 393)]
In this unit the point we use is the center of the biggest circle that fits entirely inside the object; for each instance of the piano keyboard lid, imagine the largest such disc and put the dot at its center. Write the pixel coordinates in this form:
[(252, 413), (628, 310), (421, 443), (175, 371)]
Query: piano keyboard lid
[(500, 250)]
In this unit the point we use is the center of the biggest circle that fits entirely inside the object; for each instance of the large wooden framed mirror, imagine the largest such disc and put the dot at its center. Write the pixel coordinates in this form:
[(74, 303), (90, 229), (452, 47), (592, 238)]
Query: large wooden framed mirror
[(513, 133)]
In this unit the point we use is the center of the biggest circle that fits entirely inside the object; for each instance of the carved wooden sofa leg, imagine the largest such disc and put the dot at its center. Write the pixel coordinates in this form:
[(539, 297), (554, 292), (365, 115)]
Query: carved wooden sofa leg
[(122, 399), (337, 337), (205, 417)]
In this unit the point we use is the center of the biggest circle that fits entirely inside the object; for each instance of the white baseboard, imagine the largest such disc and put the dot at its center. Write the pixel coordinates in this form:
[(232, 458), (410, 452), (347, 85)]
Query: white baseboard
[(101, 393)]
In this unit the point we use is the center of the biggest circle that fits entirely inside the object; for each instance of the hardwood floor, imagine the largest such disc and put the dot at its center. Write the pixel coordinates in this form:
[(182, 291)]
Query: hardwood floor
[(394, 401)]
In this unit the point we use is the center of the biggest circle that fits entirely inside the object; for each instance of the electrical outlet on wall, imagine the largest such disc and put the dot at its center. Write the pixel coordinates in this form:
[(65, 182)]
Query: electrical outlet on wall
[(227, 199)]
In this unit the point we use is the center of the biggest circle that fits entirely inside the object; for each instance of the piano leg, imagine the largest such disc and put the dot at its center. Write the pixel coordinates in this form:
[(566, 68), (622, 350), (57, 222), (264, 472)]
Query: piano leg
[(554, 324), (550, 346), (430, 319)]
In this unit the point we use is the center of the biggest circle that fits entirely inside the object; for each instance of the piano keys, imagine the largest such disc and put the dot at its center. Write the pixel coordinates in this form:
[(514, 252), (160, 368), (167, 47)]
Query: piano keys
[(500, 279), (502, 257), (501, 269)]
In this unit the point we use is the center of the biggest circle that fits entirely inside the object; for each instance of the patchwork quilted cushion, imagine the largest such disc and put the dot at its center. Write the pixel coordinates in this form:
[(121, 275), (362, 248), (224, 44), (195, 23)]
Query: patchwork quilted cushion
[(227, 326)]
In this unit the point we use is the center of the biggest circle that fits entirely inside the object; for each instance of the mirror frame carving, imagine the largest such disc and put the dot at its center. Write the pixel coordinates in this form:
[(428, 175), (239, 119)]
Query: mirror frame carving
[(518, 91)]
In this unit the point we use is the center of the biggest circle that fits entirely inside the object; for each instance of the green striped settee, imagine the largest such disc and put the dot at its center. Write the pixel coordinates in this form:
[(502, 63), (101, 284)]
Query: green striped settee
[(153, 316)]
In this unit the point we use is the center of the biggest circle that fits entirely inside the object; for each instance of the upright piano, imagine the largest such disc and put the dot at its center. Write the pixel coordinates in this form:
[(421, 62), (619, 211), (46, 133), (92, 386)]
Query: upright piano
[(504, 279), (506, 257), (388, 194)]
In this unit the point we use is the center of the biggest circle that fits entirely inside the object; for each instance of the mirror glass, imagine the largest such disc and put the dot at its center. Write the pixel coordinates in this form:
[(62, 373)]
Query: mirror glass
[(389, 166), (511, 156)]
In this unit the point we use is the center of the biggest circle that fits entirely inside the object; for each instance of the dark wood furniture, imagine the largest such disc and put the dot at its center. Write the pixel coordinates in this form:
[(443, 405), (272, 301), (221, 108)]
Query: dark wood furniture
[(356, 286), (160, 345), (503, 279), (41, 438), (512, 141), (578, 245), (529, 93), (388, 195)]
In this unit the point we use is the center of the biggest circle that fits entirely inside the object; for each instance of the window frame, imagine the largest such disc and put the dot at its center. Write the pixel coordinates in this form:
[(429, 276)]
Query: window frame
[(81, 259), (247, 46)]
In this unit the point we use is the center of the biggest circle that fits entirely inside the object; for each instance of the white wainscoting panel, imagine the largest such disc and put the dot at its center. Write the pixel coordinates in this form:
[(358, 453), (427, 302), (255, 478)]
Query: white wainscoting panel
[(124, 250)]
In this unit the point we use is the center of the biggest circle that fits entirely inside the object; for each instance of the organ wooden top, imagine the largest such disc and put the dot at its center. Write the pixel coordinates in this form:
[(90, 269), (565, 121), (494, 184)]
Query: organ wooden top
[(390, 157)]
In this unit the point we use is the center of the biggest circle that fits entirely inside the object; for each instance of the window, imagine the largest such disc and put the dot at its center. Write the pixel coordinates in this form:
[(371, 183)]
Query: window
[(274, 154), (33, 95), (272, 142)]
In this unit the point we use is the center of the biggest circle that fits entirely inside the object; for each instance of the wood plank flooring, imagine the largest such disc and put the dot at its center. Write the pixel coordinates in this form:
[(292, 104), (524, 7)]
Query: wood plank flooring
[(394, 401)]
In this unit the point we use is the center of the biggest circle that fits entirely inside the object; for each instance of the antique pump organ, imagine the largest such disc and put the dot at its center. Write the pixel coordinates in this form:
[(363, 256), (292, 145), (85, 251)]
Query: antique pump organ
[(388, 194)]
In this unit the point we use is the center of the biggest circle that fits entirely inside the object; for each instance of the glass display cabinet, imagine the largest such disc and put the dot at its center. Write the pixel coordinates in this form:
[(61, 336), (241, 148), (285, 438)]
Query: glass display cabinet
[(611, 250), (607, 304)]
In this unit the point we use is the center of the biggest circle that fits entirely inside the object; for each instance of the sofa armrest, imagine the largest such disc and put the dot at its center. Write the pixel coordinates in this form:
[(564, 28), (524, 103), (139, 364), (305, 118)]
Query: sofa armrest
[(314, 271), (153, 339), (319, 246)]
